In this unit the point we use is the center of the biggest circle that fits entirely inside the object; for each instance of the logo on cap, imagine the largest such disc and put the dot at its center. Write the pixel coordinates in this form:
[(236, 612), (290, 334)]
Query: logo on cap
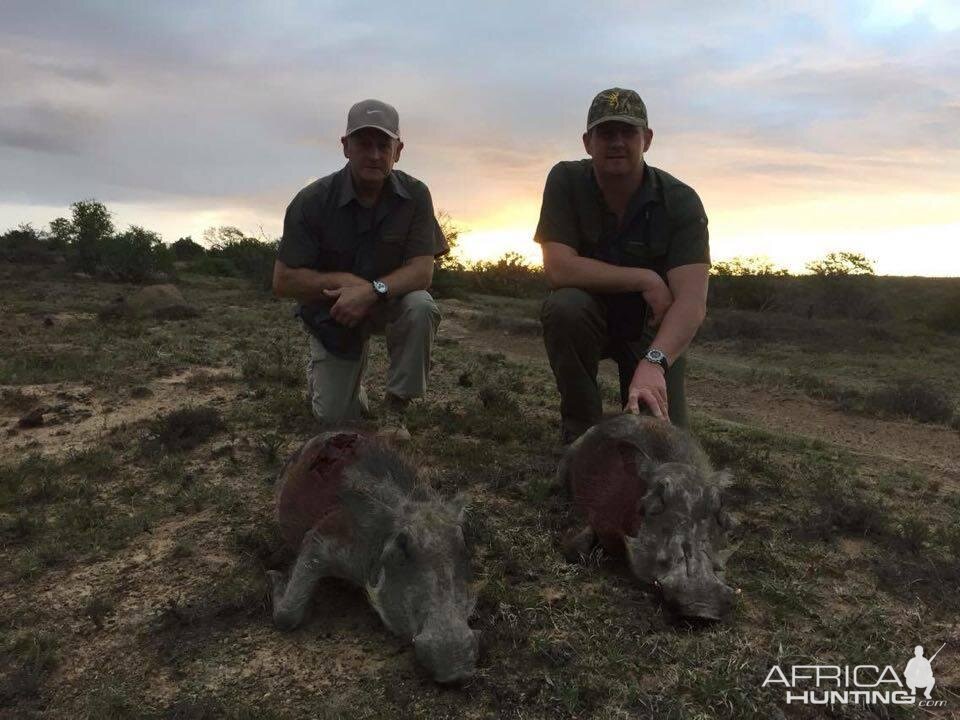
[(617, 104), (386, 119)]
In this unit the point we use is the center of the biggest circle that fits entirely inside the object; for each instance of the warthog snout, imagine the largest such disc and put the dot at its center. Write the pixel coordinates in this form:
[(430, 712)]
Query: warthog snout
[(695, 591), (449, 652)]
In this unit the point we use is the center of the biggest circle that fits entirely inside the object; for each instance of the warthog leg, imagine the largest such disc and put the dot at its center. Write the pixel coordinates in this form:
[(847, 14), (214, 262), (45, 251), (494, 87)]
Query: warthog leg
[(290, 598), (578, 543)]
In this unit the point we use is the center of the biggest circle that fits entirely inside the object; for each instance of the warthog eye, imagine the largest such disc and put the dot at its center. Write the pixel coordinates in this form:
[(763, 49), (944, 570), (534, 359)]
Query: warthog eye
[(401, 549), (653, 505)]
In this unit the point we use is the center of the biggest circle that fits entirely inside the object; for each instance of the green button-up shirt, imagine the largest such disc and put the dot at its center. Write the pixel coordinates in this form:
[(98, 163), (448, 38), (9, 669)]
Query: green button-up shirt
[(327, 229), (664, 227)]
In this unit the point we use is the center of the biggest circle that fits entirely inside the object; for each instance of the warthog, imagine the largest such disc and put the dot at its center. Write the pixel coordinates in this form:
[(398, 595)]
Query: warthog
[(646, 488), (355, 510)]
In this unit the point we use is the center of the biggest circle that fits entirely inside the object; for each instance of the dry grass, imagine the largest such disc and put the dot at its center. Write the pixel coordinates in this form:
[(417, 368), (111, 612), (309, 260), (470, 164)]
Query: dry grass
[(135, 581)]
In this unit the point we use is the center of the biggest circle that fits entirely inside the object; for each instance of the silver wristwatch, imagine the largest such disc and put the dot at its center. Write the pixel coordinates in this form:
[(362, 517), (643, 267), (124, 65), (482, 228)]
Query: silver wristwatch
[(657, 357), (381, 289)]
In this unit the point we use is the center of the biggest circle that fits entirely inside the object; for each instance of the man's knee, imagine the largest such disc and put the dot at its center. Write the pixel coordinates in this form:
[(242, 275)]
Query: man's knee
[(330, 406), (419, 308), (566, 309)]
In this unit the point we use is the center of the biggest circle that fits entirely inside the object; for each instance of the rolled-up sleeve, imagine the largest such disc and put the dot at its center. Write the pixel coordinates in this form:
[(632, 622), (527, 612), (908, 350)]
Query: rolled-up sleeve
[(425, 236), (558, 220), (300, 244), (690, 239)]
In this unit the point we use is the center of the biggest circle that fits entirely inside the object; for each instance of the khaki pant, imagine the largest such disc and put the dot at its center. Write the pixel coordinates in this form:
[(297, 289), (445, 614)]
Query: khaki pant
[(336, 385), (575, 335)]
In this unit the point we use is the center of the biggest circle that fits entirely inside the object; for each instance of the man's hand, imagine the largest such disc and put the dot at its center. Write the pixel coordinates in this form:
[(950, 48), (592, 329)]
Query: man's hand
[(648, 386), (353, 303), (659, 299)]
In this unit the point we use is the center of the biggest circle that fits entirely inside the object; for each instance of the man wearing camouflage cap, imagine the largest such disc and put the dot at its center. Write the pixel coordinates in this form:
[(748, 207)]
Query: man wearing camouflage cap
[(626, 253), (357, 252)]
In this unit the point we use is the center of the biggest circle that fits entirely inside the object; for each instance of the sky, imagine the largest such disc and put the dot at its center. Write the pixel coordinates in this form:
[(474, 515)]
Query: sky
[(805, 127)]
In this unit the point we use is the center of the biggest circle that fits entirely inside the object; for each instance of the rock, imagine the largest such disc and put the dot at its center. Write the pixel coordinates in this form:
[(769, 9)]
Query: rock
[(163, 302), (157, 300), (140, 391), (48, 321), (34, 418)]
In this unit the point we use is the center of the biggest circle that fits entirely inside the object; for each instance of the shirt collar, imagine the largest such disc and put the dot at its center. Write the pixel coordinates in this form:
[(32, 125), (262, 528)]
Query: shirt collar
[(348, 193), (649, 190)]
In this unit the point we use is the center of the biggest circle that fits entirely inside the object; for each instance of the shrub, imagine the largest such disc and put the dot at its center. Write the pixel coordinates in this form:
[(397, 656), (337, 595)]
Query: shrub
[(451, 231), (750, 283), (232, 253), (182, 429), (913, 398), (186, 249), (25, 244), (137, 255), (841, 263), (511, 275)]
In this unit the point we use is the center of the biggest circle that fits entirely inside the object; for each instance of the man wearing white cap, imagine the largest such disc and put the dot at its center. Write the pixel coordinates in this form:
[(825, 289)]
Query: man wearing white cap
[(357, 252)]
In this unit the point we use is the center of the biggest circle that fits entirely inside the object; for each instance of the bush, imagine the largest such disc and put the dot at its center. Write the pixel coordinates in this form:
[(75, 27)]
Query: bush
[(913, 398), (451, 231), (233, 254), (745, 284), (186, 249), (841, 263), (25, 244), (510, 275), (137, 255), (182, 430)]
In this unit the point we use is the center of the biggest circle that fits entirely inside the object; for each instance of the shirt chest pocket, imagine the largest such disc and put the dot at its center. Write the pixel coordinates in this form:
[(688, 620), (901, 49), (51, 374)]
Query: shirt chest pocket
[(337, 252), (649, 247), (389, 252)]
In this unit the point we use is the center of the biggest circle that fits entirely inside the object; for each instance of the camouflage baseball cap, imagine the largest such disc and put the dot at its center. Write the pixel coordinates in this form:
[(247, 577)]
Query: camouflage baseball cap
[(375, 114), (617, 104)]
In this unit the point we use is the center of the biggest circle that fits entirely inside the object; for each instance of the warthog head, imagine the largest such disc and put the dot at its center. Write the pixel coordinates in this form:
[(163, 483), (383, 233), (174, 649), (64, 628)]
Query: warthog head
[(678, 545), (421, 586)]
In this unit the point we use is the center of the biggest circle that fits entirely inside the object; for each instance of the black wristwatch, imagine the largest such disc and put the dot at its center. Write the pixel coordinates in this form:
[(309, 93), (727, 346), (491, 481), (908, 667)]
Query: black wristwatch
[(381, 289), (658, 357)]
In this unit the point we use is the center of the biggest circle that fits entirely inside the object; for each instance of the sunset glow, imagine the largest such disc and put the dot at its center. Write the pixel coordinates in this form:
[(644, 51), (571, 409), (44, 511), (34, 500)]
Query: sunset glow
[(823, 128)]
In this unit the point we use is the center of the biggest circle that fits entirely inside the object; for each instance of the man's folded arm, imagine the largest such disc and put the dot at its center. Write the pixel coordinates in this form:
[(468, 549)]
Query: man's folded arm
[(307, 285), (564, 267)]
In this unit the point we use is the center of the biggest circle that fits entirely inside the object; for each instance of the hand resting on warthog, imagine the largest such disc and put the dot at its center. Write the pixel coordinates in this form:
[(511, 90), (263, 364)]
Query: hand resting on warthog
[(356, 511), (647, 489)]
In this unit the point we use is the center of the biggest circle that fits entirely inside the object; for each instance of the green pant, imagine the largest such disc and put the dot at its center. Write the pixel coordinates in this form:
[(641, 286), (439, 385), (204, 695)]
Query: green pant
[(335, 385), (575, 335)]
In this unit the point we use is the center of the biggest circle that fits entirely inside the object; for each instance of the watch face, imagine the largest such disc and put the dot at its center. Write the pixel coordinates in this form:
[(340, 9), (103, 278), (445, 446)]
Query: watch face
[(380, 287), (655, 355)]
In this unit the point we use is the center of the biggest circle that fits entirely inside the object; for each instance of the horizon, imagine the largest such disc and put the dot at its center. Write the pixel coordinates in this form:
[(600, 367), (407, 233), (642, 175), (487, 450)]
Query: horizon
[(814, 130)]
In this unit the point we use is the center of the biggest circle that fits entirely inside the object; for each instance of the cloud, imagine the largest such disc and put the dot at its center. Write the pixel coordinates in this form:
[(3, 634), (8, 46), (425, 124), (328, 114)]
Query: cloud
[(204, 107), (43, 128)]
